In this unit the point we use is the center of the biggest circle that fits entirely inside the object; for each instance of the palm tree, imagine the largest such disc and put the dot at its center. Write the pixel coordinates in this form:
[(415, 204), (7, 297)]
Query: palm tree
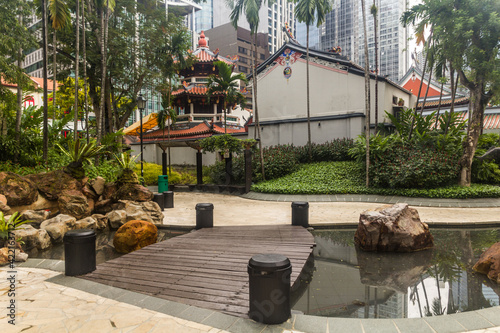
[(251, 9), (44, 71), (226, 83), (85, 103), (60, 17), (367, 96), (309, 11), (77, 55), (374, 11)]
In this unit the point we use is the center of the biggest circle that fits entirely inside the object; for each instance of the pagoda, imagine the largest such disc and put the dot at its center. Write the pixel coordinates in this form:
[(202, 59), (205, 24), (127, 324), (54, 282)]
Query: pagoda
[(190, 102)]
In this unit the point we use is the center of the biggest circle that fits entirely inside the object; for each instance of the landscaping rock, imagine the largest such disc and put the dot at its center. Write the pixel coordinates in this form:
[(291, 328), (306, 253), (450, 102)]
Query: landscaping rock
[(56, 227), (86, 223), (101, 221), (3, 199), (33, 238), (135, 211), (109, 190), (89, 192), (98, 185), (103, 206), (134, 235), (395, 228), (378, 270), (116, 218), (146, 211), (74, 203), (34, 217), (153, 209), (40, 204), (17, 190), (4, 256), (489, 263), (52, 184), (132, 192), (4, 208)]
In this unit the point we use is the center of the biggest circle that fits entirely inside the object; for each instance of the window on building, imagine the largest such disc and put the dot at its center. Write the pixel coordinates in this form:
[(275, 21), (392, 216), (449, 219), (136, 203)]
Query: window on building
[(262, 56), (242, 50), (243, 60), (242, 69)]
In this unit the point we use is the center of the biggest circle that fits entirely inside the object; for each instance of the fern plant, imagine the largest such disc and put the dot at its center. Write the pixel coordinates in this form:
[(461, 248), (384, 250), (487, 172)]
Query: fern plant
[(127, 174), (6, 226)]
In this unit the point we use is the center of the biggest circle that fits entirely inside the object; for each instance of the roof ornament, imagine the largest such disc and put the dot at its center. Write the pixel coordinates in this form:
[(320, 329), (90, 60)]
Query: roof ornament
[(289, 34), (336, 50), (202, 42)]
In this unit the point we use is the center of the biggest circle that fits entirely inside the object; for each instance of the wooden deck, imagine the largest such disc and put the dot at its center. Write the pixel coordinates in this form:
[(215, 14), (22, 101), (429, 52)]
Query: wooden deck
[(205, 268)]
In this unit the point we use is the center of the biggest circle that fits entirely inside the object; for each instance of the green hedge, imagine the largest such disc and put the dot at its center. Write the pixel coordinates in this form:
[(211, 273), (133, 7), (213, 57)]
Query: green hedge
[(347, 178)]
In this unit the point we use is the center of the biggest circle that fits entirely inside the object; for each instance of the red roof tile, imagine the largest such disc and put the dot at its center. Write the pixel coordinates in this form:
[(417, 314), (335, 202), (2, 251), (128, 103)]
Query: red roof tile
[(444, 102), (200, 130)]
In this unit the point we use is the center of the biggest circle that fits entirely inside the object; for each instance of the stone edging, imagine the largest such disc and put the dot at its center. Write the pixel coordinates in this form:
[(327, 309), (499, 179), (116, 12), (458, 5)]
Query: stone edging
[(460, 322)]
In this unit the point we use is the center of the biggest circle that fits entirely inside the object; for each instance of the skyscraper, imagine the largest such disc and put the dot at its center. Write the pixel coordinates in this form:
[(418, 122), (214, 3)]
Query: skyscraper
[(343, 27), (272, 19)]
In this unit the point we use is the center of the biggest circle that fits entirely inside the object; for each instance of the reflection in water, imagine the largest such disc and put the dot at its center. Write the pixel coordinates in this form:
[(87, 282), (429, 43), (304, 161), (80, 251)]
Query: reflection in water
[(104, 247), (351, 283)]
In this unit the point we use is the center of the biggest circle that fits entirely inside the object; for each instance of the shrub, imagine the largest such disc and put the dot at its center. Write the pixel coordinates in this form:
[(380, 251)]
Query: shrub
[(413, 166), (335, 150), (107, 169)]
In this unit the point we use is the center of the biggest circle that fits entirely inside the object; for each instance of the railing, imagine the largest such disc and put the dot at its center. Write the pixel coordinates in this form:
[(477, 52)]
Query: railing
[(200, 117)]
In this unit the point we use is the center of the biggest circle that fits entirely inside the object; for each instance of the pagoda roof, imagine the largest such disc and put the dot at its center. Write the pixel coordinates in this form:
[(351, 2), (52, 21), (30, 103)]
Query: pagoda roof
[(193, 89), (204, 55), (199, 131)]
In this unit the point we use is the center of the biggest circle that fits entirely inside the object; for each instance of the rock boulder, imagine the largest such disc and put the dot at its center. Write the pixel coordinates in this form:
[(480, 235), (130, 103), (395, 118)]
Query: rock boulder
[(98, 185), (86, 223), (33, 238), (35, 216), (117, 218), (134, 235), (395, 228), (56, 227), (17, 190), (74, 203), (489, 263), (52, 184), (101, 221), (132, 192)]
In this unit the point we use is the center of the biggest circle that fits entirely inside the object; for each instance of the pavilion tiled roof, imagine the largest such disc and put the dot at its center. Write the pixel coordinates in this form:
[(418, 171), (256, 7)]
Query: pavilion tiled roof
[(444, 102), (199, 131), (193, 89)]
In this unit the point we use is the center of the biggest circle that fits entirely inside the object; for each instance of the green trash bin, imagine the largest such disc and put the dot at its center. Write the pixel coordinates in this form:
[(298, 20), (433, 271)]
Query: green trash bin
[(162, 183)]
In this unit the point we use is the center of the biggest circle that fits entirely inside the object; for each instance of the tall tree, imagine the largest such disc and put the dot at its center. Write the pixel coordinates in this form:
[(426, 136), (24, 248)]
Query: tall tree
[(374, 12), (226, 84), (468, 34), (310, 11), (367, 96), (45, 149), (60, 17), (77, 66), (251, 9)]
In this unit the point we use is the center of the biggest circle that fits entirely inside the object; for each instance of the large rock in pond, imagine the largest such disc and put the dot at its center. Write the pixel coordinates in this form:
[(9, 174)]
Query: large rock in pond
[(134, 235), (33, 238), (40, 204), (17, 190), (52, 184), (489, 263), (3, 204), (117, 218), (86, 223), (56, 227), (395, 228), (101, 221), (74, 203), (396, 271), (35, 217)]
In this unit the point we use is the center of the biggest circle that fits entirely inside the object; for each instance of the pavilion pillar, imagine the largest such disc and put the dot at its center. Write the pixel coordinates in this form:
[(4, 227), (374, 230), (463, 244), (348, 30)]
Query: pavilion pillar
[(199, 167), (248, 169)]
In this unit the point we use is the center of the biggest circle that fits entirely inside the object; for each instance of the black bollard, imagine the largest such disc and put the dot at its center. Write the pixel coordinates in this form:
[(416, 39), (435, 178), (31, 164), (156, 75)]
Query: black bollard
[(168, 199), (204, 215), (79, 252), (300, 213), (158, 198), (269, 288)]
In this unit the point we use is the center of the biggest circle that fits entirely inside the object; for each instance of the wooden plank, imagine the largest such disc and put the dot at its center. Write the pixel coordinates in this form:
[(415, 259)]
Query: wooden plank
[(205, 268)]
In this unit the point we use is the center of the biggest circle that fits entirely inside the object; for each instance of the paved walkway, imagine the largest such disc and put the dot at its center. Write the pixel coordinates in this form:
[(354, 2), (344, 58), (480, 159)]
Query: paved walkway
[(326, 210), (48, 301)]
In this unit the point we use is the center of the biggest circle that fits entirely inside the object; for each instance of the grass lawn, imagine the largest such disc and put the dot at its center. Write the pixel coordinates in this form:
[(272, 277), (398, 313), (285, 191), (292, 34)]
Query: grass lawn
[(348, 178)]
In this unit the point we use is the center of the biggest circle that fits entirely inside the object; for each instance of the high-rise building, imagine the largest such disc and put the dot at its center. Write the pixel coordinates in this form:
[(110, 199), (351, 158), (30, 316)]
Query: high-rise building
[(272, 19), (343, 27)]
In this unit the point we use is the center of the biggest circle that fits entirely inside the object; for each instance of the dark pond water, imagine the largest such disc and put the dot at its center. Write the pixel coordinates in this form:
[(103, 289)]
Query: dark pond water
[(104, 247), (349, 283)]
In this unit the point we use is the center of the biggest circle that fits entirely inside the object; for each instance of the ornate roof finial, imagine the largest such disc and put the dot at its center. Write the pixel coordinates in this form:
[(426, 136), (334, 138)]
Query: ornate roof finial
[(202, 42)]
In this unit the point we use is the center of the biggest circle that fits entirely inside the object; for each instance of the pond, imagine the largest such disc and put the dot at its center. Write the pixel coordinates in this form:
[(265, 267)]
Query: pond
[(350, 283), (104, 246)]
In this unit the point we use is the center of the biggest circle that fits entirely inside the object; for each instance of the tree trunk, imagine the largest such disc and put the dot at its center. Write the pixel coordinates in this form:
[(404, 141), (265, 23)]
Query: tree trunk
[(255, 107), (420, 88), (77, 55), (54, 74), (19, 109), (85, 102), (439, 104), (309, 147), (426, 90), (100, 120), (473, 132), (44, 71), (375, 25), (367, 97)]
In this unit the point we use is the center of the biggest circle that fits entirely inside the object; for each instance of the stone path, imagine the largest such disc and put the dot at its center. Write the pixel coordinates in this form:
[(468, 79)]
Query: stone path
[(234, 210)]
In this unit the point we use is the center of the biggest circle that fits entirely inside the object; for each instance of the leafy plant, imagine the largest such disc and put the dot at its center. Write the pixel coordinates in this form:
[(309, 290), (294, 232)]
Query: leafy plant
[(13, 223), (78, 152), (125, 161), (225, 142)]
